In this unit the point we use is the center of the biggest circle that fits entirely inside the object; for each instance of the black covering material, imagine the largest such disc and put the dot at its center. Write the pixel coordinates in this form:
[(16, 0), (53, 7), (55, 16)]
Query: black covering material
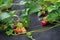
[(53, 34)]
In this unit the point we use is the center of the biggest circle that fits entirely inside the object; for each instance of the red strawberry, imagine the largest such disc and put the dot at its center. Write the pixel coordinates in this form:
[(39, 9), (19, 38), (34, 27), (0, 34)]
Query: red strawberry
[(44, 23), (15, 31), (19, 31)]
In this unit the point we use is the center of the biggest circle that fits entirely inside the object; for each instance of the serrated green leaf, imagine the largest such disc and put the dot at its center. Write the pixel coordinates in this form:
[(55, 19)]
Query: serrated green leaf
[(11, 25), (9, 1), (39, 14), (3, 27), (4, 15), (25, 20), (58, 12), (22, 2), (25, 17), (9, 32), (51, 8), (12, 13), (57, 4), (34, 8), (53, 1), (8, 20), (6, 4), (25, 12), (53, 16), (1, 1)]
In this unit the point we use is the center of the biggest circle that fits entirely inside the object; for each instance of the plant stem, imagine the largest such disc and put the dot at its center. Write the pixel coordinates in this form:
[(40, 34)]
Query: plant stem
[(45, 29), (58, 21)]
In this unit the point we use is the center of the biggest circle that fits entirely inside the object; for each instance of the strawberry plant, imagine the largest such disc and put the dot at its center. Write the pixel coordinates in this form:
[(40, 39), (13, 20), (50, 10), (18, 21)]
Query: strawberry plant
[(41, 7), (52, 7), (5, 4), (10, 24)]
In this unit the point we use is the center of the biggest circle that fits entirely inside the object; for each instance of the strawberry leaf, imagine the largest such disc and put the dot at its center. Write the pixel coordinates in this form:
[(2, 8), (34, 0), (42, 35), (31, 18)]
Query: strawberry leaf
[(4, 15), (9, 32), (39, 14)]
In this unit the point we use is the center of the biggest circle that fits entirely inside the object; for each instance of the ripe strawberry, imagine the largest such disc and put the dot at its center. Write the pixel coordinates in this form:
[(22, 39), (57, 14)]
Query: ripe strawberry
[(44, 23), (15, 31), (24, 30), (19, 31)]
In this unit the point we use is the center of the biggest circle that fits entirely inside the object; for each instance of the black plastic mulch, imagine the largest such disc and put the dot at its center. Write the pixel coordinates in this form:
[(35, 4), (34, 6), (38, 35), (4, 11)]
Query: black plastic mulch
[(53, 34)]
